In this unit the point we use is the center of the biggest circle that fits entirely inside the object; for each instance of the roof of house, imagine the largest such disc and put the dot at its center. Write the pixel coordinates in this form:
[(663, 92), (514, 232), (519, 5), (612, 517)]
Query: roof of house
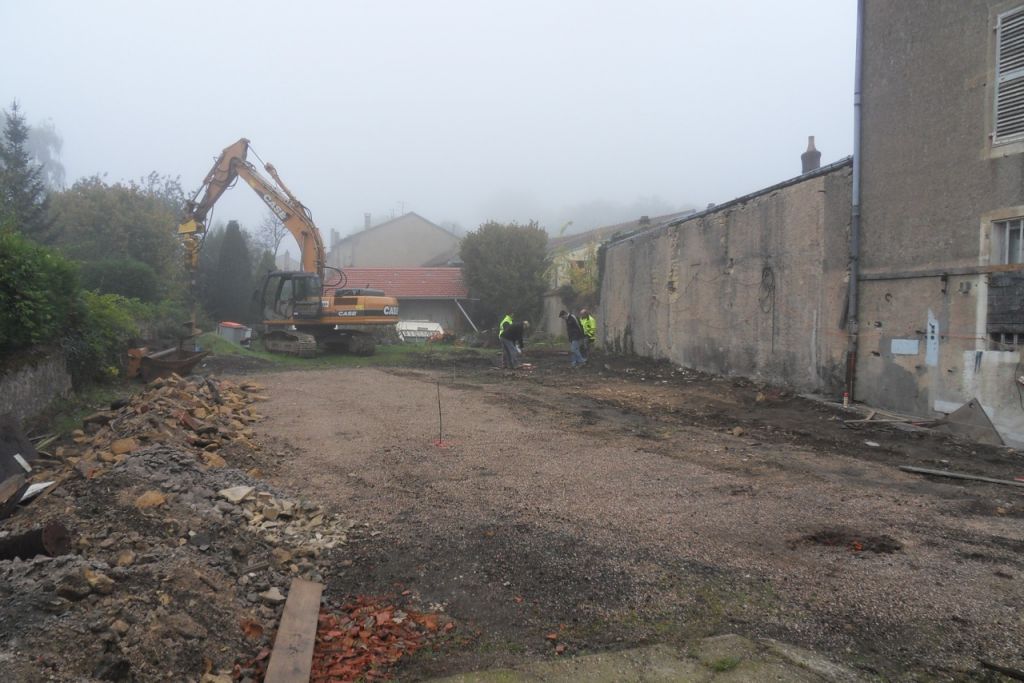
[(410, 283), (570, 242), (388, 222), (449, 259)]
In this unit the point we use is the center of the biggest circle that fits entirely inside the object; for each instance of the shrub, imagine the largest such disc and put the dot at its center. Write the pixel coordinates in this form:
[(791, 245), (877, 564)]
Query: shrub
[(98, 337), (38, 294), (125, 276)]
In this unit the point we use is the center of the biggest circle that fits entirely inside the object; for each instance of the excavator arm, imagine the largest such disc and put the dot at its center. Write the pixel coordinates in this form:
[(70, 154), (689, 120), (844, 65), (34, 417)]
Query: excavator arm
[(230, 165)]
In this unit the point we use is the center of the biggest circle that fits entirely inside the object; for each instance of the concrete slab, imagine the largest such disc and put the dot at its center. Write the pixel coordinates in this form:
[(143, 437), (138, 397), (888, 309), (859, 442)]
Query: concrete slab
[(722, 659)]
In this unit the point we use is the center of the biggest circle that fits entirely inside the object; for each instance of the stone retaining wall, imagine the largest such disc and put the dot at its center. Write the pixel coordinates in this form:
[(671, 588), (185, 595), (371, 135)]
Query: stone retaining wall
[(33, 382)]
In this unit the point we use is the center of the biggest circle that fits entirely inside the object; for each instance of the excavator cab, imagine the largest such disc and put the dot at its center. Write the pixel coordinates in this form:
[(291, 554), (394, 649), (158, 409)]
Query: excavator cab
[(288, 295)]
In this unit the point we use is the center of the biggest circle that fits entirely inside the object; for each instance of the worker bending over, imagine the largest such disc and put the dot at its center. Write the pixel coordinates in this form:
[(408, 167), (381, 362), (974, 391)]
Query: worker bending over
[(512, 343)]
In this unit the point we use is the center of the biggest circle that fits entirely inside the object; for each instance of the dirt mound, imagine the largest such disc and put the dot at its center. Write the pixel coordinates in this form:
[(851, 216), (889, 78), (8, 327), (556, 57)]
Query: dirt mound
[(853, 540)]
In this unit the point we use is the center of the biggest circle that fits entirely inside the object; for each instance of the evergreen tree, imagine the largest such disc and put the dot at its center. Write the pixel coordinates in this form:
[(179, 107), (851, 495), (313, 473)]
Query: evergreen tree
[(23, 197), (263, 266), (232, 281)]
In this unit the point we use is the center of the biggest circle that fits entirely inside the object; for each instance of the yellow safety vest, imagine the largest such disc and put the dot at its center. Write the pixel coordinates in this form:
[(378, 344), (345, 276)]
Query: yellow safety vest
[(506, 321)]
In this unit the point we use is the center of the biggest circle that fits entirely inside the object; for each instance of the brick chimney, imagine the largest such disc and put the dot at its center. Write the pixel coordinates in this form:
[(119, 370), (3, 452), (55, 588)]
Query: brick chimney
[(366, 221), (811, 159)]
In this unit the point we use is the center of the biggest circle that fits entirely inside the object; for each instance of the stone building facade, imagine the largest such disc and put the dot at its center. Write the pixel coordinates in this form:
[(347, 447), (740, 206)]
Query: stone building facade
[(942, 151)]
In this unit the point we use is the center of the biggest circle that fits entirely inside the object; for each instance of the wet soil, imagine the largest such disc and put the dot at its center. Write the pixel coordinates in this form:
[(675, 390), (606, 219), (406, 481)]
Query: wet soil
[(631, 502)]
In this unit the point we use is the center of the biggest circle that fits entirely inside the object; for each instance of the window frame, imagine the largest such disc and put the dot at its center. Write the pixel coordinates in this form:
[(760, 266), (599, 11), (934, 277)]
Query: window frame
[(1002, 230), (1013, 76)]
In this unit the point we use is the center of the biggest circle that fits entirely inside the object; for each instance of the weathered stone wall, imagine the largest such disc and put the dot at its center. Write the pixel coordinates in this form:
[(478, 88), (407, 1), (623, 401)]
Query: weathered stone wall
[(754, 288), (33, 383)]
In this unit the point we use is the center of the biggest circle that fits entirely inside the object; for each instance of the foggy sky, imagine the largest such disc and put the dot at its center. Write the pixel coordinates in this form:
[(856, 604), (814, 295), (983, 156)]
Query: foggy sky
[(461, 111)]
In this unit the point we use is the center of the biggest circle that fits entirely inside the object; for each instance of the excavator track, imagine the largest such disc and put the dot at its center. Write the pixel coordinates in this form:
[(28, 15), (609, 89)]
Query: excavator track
[(291, 343)]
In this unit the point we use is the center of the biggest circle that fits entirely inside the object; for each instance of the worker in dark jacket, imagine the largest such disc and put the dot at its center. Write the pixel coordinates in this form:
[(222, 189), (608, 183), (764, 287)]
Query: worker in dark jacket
[(574, 331), (512, 343)]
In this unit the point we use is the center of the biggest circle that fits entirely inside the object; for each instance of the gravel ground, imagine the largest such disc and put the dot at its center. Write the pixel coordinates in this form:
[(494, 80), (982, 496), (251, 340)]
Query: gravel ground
[(633, 503)]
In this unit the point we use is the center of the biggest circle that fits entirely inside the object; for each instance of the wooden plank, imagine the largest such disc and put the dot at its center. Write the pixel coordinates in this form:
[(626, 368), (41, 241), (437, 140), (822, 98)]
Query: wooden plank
[(291, 661), (959, 475)]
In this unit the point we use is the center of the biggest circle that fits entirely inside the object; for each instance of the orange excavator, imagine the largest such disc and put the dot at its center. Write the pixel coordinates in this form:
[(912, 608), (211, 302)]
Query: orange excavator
[(301, 311)]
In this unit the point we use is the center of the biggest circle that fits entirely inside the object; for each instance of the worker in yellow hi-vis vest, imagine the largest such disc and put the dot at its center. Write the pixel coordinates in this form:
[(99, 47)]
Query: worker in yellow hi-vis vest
[(589, 325), (506, 360)]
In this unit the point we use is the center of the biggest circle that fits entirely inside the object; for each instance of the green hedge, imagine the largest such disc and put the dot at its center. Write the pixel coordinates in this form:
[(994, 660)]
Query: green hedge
[(38, 295), (41, 304)]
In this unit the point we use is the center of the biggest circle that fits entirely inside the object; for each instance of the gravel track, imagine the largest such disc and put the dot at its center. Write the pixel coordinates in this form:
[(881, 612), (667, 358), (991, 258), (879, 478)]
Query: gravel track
[(630, 507)]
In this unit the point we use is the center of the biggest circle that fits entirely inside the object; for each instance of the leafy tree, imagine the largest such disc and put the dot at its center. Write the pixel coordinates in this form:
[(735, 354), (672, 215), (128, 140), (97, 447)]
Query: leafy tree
[(504, 266), (125, 276), (97, 221), (162, 188), (269, 233), (45, 144), (22, 190), (232, 281)]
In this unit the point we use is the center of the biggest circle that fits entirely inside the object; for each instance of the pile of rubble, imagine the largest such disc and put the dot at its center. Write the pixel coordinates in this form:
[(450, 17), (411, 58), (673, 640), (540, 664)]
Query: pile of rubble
[(201, 414), (179, 563), (180, 569)]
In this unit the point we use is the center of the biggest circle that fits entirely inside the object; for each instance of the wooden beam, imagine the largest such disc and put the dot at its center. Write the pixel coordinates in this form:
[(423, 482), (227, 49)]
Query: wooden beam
[(291, 661), (959, 475)]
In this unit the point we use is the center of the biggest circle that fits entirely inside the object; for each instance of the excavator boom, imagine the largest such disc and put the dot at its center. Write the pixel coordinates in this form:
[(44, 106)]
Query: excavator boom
[(299, 317), (232, 164)]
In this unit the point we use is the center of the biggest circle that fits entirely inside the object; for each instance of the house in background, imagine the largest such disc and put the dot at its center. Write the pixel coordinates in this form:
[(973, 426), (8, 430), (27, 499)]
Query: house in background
[(580, 251), (409, 240), (437, 295)]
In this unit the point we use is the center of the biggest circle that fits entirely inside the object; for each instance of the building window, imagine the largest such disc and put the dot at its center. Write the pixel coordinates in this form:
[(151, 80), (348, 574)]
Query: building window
[(1005, 341), (1008, 240), (1009, 104)]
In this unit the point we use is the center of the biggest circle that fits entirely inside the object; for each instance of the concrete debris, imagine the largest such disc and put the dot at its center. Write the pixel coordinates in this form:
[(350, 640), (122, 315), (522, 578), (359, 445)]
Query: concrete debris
[(272, 596), (165, 556), (204, 415), (150, 499), (236, 494)]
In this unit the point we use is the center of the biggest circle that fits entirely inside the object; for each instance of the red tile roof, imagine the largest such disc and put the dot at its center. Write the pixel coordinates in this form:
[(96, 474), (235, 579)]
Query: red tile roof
[(410, 283)]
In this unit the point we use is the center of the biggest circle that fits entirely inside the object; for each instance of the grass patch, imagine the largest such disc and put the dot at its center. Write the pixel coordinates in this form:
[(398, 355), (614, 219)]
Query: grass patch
[(65, 415), (725, 664), (387, 355)]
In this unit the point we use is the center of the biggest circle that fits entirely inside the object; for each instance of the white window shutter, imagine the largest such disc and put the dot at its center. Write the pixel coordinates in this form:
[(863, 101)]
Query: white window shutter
[(1009, 110)]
